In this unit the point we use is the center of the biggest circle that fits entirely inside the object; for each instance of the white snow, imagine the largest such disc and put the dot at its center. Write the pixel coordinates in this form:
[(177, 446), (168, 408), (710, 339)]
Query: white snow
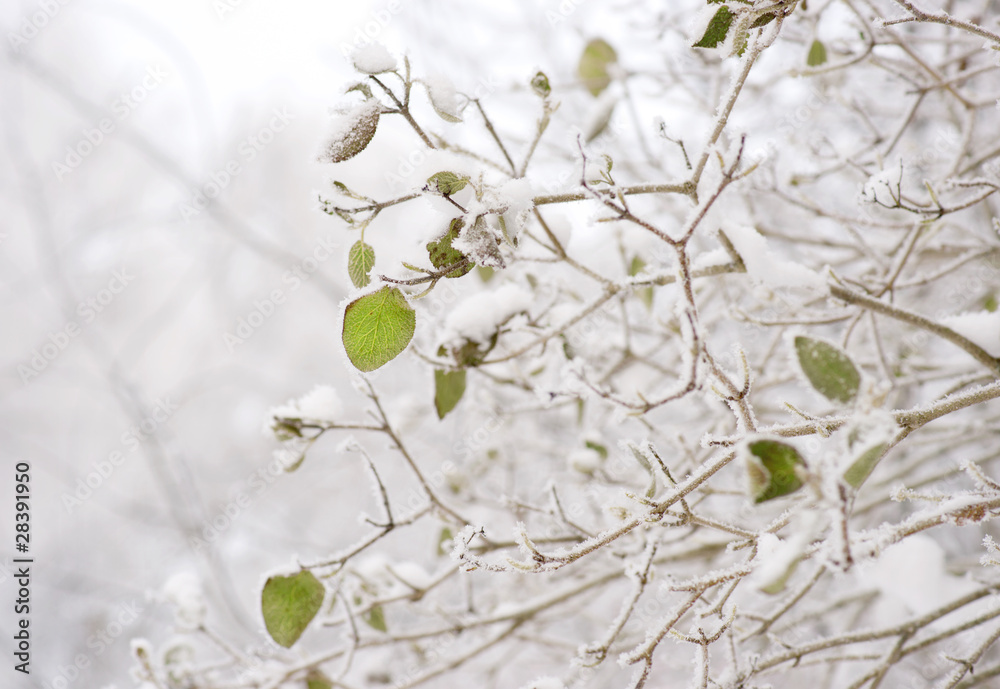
[(882, 186), (517, 196), (348, 129), (982, 328), (322, 403), (444, 97), (478, 317), (913, 573), (584, 460), (768, 269), (184, 591), (373, 58)]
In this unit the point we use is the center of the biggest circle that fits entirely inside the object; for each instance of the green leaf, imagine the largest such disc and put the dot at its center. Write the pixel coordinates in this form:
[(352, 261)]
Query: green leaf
[(863, 466), (444, 537), (377, 328), (540, 85), (771, 469), (593, 67), (289, 604), (355, 133), (442, 255), (598, 448), (828, 368), (817, 54), (485, 273), (446, 183), (317, 680), (360, 260), (449, 386), (375, 619), (763, 20), (717, 29)]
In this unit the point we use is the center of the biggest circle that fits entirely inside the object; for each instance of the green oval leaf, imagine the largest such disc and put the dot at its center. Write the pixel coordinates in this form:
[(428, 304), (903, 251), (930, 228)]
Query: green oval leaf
[(446, 183), (717, 29), (317, 680), (863, 466), (771, 469), (377, 328), (449, 386), (817, 54), (829, 370), (443, 255), (360, 260), (289, 604), (375, 619), (593, 66), (354, 133)]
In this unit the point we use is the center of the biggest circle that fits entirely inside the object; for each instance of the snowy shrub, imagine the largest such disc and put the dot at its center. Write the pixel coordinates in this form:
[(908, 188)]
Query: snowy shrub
[(674, 359)]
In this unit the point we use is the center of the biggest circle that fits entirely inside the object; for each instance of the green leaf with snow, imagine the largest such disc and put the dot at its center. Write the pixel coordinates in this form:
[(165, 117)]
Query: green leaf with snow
[(289, 604), (360, 260), (717, 29), (355, 132), (772, 469), (817, 54), (862, 467), (443, 255), (540, 85), (446, 183), (593, 66), (829, 370), (377, 328), (449, 386)]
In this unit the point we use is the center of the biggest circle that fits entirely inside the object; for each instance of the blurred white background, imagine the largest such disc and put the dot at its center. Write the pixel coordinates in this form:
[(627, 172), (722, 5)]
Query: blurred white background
[(166, 278)]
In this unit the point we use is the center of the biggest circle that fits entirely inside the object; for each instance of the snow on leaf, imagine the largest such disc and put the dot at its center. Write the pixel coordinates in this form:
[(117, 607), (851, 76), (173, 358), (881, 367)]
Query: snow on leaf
[(444, 98), (442, 254), (353, 133), (478, 243), (373, 58), (717, 29)]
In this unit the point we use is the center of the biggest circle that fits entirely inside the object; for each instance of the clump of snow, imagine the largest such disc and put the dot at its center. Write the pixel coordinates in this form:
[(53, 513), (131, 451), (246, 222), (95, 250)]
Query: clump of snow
[(883, 186), (584, 460), (478, 317), (373, 58), (444, 98), (768, 269), (913, 572), (478, 242), (982, 328), (514, 199), (184, 591), (322, 403)]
